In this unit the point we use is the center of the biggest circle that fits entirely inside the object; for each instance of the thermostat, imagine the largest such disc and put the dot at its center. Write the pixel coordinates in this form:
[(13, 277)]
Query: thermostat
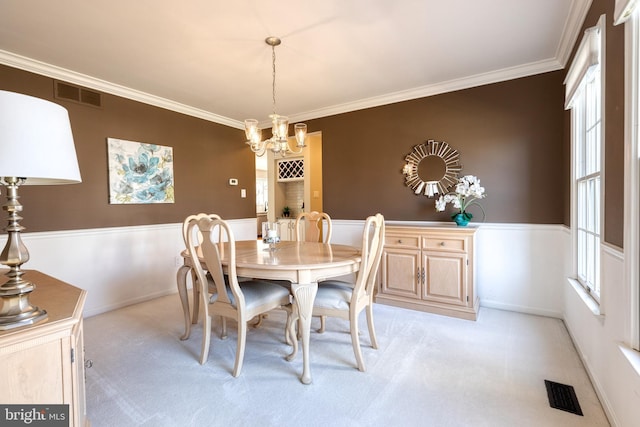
[(233, 181)]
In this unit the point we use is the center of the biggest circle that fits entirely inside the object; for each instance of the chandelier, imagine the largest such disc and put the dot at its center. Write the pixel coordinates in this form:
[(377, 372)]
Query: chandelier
[(278, 143)]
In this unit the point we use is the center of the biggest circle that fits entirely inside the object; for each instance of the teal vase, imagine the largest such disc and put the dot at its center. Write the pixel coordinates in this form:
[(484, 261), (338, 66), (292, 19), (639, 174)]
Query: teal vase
[(462, 218)]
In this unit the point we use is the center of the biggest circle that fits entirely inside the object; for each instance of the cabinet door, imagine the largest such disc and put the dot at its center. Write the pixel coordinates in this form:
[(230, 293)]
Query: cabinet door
[(79, 408), (445, 278), (285, 229), (401, 273)]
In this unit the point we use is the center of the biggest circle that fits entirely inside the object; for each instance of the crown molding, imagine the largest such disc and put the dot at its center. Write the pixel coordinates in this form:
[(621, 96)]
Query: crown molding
[(38, 67), (436, 89), (42, 68), (577, 14)]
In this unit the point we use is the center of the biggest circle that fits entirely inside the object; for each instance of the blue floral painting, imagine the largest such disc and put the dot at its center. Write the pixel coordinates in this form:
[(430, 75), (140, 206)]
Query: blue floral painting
[(139, 172)]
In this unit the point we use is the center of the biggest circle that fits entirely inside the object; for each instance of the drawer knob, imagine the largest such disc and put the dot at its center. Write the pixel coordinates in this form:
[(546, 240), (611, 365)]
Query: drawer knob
[(441, 243), (399, 240)]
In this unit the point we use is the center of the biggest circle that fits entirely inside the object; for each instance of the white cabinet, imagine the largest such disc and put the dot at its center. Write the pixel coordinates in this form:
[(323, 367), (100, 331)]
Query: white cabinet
[(287, 229), (44, 363), (429, 269)]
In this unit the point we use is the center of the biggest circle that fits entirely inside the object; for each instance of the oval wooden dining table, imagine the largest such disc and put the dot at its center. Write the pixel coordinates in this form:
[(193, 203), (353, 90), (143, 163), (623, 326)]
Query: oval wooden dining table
[(301, 263)]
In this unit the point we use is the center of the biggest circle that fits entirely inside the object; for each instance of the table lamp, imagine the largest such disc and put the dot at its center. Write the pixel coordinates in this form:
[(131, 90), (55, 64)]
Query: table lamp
[(36, 148)]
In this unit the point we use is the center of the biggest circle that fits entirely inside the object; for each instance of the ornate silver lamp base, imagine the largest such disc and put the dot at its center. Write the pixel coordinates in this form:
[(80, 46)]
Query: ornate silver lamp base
[(15, 309)]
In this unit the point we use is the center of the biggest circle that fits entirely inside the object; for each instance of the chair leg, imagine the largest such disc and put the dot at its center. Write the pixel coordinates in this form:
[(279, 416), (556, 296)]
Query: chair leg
[(206, 336), (223, 335), (355, 340), (372, 329), (260, 318), (323, 320), (242, 339), (196, 298)]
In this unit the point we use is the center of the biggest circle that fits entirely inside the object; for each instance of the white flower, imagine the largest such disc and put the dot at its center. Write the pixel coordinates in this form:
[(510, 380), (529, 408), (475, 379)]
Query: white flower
[(468, 190)]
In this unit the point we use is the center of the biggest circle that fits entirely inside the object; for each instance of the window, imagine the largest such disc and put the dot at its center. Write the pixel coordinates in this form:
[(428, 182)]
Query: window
[(584, 87), (628, 11)]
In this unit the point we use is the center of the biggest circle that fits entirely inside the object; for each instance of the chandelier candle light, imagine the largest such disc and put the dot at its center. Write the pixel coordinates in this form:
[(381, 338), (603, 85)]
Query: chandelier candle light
[(468, 191), (278, 143), (36, 146)]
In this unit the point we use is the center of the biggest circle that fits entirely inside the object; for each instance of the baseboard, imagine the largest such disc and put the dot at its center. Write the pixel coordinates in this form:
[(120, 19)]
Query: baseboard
[(121, 304), (520, 309)]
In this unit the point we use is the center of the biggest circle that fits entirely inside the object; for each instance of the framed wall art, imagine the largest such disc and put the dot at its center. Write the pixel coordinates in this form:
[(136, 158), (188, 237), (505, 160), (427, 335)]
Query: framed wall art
[(139, 173)]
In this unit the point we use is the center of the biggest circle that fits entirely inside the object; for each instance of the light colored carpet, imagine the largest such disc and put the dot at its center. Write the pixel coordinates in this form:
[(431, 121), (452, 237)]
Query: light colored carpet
[(430, 370)]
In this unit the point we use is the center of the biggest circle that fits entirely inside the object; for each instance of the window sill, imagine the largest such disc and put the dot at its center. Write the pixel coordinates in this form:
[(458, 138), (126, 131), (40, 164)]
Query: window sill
[(632, 356), (586, 298)]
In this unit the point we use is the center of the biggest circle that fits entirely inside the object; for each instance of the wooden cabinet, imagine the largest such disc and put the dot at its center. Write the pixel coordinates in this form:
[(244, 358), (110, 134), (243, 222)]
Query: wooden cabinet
[(44, 363), (429, 269)]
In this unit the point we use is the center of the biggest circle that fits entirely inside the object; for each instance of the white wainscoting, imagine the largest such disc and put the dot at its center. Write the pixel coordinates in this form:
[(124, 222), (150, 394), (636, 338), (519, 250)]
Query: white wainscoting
[(519, 267), (117, 266), (600, 338)]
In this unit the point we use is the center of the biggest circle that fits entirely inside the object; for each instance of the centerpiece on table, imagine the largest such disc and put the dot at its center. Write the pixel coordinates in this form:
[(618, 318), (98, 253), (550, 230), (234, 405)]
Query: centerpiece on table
[(467, 193)]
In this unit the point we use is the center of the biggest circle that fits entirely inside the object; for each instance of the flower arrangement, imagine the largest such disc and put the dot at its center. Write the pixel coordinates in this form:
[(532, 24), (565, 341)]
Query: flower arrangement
[(468, 191)]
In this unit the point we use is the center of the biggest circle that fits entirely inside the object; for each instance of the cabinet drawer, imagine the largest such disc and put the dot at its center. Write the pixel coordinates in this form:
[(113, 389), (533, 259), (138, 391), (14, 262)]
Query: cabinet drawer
[(444, 243), (402, 241)]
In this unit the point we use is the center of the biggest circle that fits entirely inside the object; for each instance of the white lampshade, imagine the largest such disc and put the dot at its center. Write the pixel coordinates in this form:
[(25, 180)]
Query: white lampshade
[(36, 142)]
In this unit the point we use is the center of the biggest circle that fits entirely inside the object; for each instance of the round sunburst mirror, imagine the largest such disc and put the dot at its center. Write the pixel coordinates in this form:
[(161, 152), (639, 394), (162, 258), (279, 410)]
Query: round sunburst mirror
[(432, 168)]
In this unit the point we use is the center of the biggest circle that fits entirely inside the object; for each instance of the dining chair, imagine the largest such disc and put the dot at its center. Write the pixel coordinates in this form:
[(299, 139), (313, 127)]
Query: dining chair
[(309, 227), (196, 289), (336, 298), (240, 301)]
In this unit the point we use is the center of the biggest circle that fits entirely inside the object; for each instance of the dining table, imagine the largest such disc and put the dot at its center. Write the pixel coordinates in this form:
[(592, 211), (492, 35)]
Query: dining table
[(303, 264)]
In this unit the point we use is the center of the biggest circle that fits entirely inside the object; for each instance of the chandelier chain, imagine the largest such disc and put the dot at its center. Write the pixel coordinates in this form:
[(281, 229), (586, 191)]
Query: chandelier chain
[(273, 83)]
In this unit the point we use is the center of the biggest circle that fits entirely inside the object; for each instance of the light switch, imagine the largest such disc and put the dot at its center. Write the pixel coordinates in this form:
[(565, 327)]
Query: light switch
[(316, 194), (243, 193)]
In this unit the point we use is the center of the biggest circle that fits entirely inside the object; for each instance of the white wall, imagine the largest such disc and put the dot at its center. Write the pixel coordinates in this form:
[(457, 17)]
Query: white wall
[(117, 266), (599, 338), (519, 267)]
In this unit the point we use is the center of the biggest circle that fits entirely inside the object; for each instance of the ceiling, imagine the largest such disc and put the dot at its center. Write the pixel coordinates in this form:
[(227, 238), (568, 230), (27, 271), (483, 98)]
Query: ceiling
[(208, 58)]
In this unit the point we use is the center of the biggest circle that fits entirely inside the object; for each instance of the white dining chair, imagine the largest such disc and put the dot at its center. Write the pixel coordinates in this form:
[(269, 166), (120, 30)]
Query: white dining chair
[(240, 301), (345, 300), (196, 289), (313, 227)]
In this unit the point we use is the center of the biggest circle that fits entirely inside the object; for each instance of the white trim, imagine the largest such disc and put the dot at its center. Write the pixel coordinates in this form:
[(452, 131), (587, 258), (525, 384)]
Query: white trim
[(575, 19), (632, 176), (42, 68), (435, 89), (585, 297), (623, 10), (587, 57), (632, 356)]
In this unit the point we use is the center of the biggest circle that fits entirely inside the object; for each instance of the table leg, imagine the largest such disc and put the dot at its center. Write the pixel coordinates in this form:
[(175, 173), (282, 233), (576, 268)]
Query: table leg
[(181, 278), (304, 295)]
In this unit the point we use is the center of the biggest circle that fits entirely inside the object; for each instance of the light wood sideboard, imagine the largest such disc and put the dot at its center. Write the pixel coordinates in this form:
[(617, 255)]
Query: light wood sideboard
[(429, 269), (44, 363)]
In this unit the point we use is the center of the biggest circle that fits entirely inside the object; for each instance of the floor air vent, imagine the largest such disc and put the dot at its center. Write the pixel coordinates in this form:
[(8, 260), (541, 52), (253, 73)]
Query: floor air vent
[(77, 94), (563, 397)]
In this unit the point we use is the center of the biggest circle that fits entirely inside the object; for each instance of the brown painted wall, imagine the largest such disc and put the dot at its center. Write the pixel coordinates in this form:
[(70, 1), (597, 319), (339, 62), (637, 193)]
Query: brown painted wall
[(614, 123), (509, 134), (205, 154), (514, 135)]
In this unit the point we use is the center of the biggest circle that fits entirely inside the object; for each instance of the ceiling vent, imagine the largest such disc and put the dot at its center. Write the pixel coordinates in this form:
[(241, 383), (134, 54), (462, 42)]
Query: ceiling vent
[(77, 94)]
